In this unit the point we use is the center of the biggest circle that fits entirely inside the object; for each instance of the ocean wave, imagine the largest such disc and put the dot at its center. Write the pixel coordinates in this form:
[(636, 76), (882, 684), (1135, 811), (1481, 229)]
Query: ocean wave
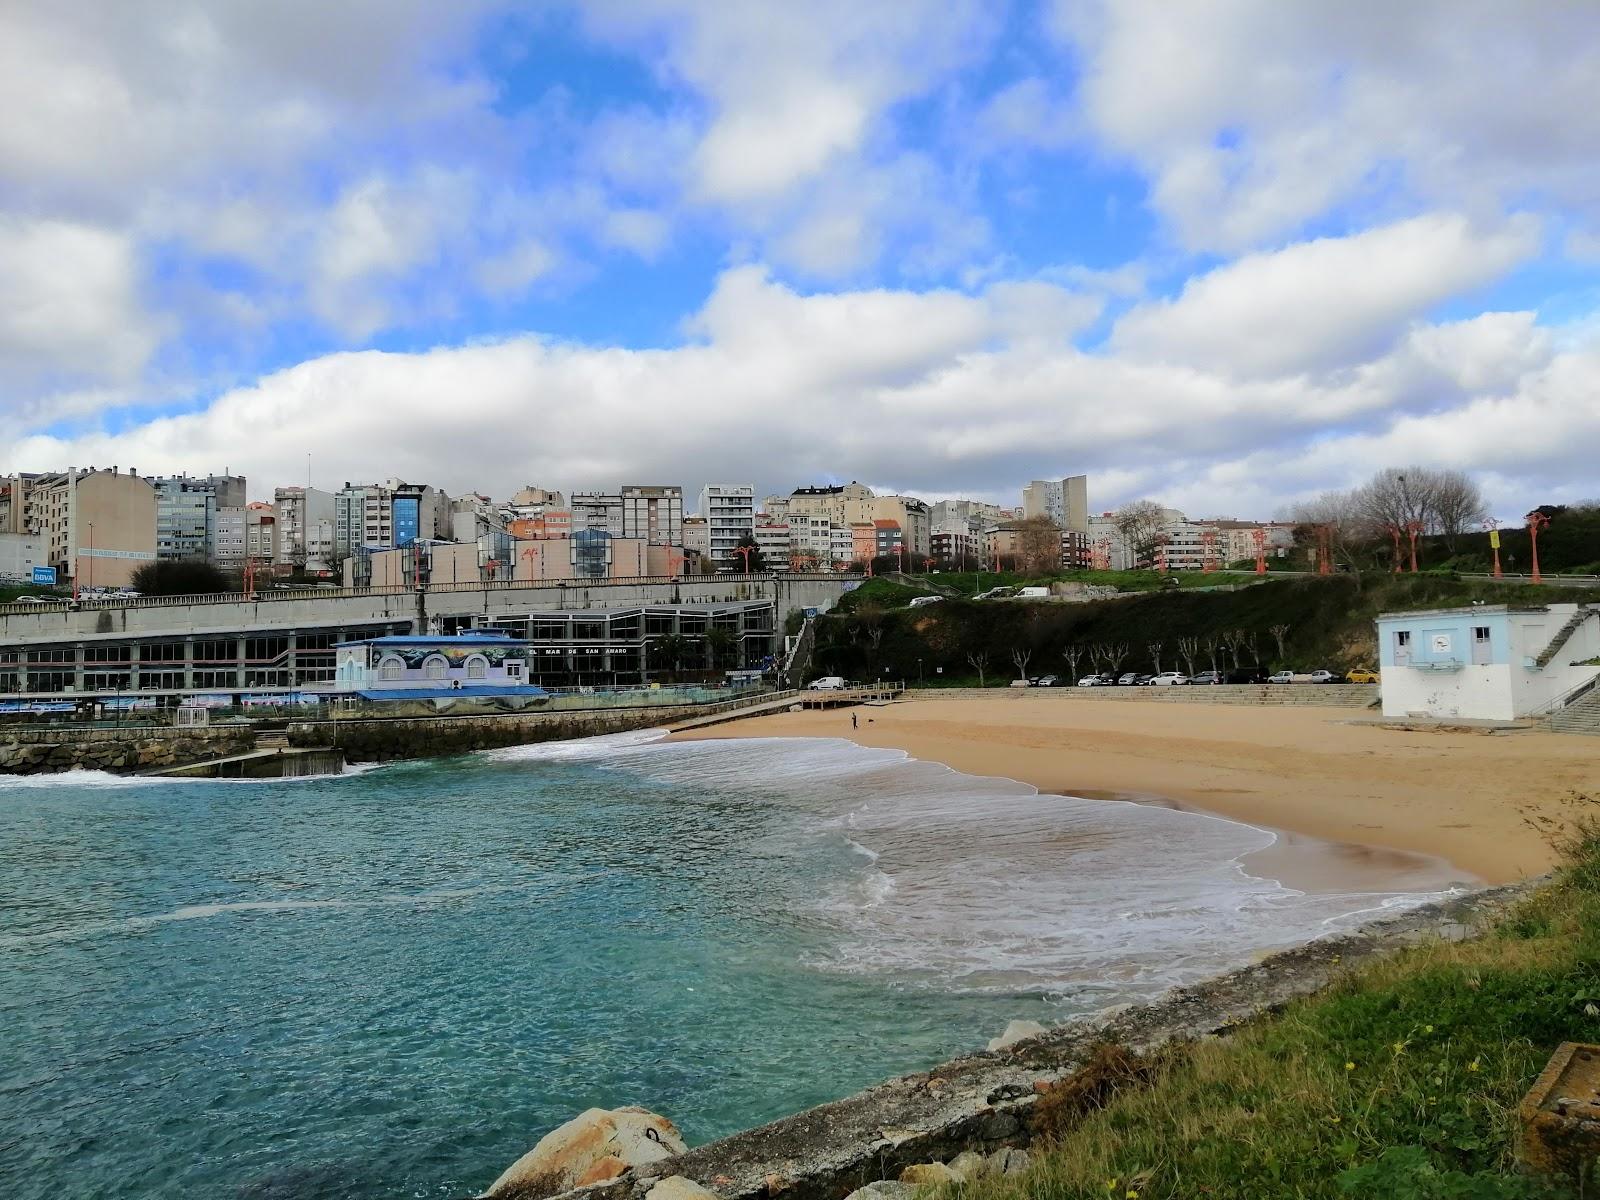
[(596, 748), (77, 778)]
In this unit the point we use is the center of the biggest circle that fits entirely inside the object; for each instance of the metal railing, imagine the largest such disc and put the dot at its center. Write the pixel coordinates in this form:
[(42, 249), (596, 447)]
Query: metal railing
[(112, 603), (1545, 576)]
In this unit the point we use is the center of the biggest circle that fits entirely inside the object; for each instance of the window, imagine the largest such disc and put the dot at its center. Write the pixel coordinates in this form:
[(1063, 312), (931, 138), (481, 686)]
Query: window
[(477, 667), (435, 667), (1480, 633), (513, 669), (391, 667)]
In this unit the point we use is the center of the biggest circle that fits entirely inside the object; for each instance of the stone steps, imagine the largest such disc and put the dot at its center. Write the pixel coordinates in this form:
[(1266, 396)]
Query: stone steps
[(1582, 716)]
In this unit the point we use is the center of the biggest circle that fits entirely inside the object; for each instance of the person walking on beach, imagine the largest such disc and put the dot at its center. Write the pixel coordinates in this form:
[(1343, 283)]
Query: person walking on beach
[(853, 722)]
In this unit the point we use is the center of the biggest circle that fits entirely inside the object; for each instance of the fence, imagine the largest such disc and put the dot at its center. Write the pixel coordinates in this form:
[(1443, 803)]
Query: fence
[(266, 596)]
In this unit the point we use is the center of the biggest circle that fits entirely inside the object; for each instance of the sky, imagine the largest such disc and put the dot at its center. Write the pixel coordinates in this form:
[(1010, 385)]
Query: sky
[(1221, 253)]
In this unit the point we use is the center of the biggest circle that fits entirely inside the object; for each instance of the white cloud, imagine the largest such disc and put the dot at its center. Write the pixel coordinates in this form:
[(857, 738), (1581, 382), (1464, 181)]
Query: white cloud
[(1321, 304), (69, 304), (1254, 116), (936, 391)]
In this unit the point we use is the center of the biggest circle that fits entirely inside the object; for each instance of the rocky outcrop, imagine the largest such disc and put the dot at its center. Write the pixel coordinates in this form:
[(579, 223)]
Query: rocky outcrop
[(23, 753), (1016, 1031), (593, 1147)]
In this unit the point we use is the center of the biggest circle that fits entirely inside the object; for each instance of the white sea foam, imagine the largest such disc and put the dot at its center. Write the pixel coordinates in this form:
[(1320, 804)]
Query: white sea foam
[(78, 779), (603, 747), (951, 880)]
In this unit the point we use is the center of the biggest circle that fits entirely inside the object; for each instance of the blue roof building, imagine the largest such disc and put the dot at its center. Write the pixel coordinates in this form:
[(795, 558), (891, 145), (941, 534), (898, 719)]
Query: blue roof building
[(421, 667)]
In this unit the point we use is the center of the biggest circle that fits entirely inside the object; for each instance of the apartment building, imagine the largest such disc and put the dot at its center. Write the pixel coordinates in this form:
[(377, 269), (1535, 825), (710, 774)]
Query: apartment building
[(227, 552), (388, 515), (730, 513), (296, 511), (976, 515), (652, 514), (601, 511), (957, 548), (98, 526), (697, 537), (850, 504), (1063, 501), (260, 533), (186, 517), (774, 541)]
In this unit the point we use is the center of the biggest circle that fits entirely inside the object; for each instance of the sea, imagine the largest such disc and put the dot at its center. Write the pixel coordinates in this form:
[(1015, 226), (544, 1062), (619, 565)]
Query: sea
[(392, 982)]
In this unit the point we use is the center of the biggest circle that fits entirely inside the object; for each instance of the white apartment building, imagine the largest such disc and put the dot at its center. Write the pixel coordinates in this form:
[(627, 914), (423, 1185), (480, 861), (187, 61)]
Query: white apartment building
[(20, 553), (260, 533), (1064, 501), (730, 513), (228, 540), (652, 514), (295, 510), (773, 539), (601, 511), (856, 504)]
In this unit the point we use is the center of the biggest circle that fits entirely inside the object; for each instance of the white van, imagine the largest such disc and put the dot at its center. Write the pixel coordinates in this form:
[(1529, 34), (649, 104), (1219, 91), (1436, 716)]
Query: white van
[(828, 683), (1033, 593)]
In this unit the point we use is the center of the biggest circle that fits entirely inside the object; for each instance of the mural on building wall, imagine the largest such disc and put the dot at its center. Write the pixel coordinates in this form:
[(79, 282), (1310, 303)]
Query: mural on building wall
[(456, 656)]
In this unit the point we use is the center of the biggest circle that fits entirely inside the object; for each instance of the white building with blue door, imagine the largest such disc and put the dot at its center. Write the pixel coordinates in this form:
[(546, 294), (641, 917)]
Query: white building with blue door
[(1488, 662)]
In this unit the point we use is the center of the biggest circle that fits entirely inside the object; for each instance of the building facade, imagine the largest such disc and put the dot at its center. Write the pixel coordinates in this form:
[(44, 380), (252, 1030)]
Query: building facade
[(1063, 501), (1487, 662), (20, 553), (296, 512), (186, 516), (652, 514), (415, 667), (729, 510), (98, 527)]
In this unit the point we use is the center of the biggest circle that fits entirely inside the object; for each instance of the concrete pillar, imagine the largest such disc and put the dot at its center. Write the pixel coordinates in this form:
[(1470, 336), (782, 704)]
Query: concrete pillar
[(240, 650), (77, 667), (133, 666), (188, 662)]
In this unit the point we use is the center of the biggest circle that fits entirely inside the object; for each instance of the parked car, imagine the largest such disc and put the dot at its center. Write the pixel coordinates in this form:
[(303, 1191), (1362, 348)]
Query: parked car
[(1021, 683), (1129, 679), (1281, 677), (1096, 681), (1033, 593), (32, 600), (1245, 675), (1169, 679), (1323, 675), (1144, 678), (828, 683), (1361, 675), (1047, 681), (920, 601), (1206, 677)]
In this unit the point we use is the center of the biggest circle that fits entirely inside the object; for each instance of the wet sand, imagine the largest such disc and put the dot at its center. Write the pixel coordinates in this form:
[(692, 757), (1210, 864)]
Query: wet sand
[(1354, 792)]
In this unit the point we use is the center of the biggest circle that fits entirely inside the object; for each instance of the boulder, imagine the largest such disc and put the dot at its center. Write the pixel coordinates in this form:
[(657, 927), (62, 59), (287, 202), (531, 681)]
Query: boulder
[(594, 1146), (679, 1187), (883, 1189), (1016, 1031), (1008, 1161), (969, 1164), (922, 1174)]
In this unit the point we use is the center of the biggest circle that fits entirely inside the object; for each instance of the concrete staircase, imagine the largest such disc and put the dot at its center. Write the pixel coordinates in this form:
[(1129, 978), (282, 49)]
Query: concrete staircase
[(1563, 635), (1581, 716)]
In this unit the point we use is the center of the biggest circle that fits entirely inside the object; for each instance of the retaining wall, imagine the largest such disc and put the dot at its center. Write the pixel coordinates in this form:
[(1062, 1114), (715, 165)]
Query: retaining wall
[(1323, 695), (40, 751)]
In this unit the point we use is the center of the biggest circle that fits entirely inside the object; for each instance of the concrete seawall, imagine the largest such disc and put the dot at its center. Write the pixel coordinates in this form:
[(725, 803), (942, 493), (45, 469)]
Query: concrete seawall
[(25, 751)]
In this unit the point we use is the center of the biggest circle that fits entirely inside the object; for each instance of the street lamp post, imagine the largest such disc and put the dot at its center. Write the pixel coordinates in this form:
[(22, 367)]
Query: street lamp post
[(1536, 521), (1494, 544)]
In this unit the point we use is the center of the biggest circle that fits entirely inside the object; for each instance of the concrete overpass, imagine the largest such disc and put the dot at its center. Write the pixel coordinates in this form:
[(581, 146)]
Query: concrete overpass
[(425, 610)]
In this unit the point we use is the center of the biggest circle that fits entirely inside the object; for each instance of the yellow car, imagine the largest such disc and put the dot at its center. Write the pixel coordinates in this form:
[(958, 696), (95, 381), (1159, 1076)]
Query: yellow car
[(1362, 675)]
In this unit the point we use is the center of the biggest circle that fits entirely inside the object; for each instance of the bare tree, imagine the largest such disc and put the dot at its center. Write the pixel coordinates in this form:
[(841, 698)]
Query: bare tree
[(1458, 505), (1020, 656), (1348, 519), (1115, 653), (1038, 545), (1072, 652), (1139, 523), (1279, 632), (980, 663), (1250, 640), (1155, 649), (1230, 643), (1188, 647)]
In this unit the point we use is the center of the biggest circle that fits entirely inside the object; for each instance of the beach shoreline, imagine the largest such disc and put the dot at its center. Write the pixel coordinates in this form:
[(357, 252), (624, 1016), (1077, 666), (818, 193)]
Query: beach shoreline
[(1474, 800)]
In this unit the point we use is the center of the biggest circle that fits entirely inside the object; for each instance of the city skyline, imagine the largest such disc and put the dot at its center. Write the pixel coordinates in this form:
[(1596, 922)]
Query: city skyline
[(1223, 258)]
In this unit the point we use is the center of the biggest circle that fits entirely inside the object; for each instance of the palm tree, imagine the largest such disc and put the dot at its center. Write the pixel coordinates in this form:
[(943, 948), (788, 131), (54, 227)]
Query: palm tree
[(722, 643), (667, 651)]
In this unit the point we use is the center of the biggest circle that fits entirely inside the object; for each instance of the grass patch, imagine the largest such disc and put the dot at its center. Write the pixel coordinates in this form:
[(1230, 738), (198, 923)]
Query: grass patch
[(1400, 1081)]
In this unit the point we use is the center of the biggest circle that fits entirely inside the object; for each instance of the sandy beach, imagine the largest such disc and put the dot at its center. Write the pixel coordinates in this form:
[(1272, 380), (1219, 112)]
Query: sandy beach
[(1326, 773)]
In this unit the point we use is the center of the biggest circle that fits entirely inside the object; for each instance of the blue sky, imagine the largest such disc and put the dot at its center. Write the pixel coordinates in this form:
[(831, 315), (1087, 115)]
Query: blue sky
[(1224, 254)]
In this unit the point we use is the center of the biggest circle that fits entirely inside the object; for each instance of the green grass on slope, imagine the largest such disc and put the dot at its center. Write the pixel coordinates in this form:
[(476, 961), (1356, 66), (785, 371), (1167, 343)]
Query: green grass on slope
[(1400, 1082)]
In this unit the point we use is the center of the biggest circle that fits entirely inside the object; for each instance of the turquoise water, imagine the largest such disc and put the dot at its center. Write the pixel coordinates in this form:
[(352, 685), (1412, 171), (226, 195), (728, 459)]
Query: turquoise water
[(393, 982)]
